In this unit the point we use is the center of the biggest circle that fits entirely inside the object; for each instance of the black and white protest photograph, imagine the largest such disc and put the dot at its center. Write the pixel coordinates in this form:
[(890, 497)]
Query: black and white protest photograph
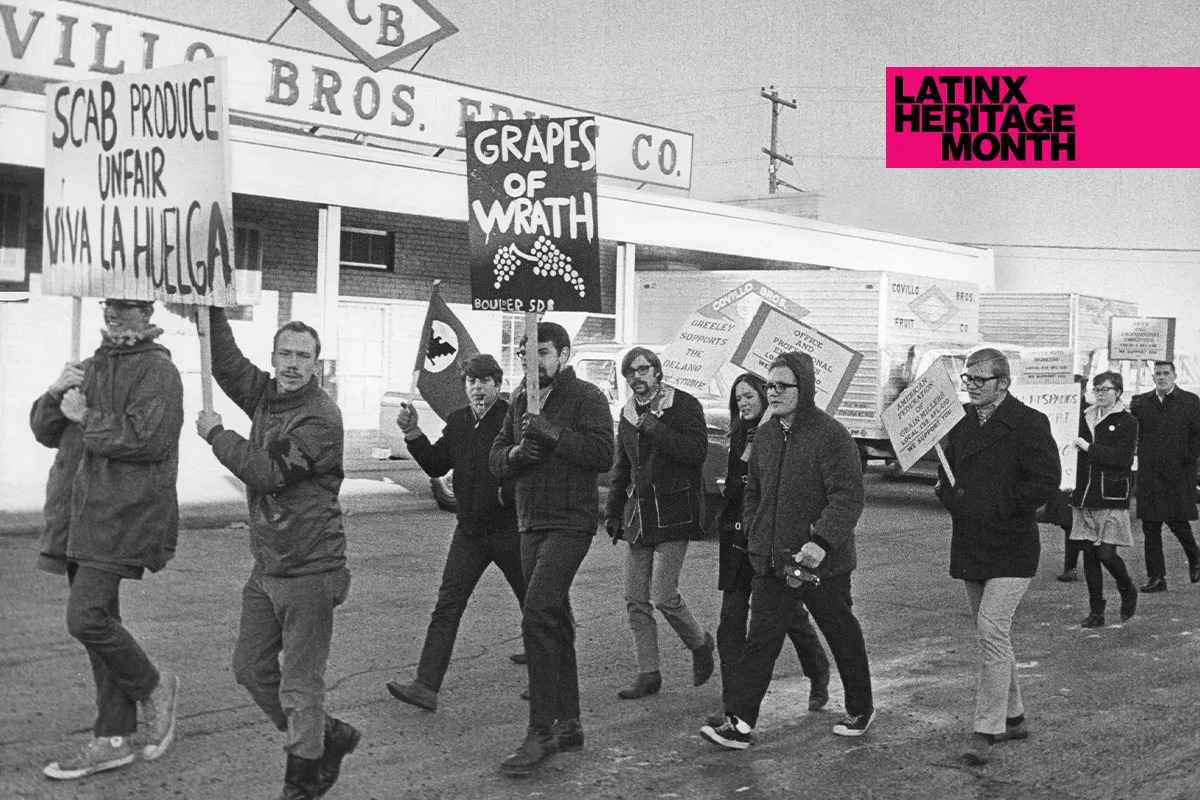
[(427, 399)]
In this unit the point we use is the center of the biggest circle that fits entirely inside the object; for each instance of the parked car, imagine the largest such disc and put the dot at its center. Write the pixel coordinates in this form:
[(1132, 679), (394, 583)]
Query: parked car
[(600, 364)]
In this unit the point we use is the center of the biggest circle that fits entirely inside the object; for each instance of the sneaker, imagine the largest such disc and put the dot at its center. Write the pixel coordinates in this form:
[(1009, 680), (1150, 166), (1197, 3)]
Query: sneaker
[(537, 747), (729, 733), (158, 711), (100, 753), (854, 724), (978, 750), (702, 661), (568, 733), (415, 694)]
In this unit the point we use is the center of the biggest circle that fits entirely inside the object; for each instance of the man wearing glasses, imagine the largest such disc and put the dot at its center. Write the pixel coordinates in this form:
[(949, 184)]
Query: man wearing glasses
[(1168, 446), (1005, 464), (553, 458), (803, 498), (655, 502)]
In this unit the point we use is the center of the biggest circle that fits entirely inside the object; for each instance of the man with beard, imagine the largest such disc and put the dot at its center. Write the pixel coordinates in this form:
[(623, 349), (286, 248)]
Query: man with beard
[(112, 513), (656, 502), (292, 468), (1168, 447), (487, 519), (554, 458)]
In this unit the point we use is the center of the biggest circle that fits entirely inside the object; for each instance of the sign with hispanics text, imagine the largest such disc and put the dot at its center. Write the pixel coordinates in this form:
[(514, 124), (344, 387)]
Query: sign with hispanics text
[(1061, 405), (531, 221), (772, 332), (1141, 339), (138, 203), (923, 413)]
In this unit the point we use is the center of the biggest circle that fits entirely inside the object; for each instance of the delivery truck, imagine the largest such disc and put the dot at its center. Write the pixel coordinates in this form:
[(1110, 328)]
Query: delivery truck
[(882, 315)]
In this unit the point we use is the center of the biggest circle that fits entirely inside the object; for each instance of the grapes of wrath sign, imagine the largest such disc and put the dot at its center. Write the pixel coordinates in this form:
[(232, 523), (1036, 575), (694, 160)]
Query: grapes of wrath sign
[(531, 189), (138, 200)]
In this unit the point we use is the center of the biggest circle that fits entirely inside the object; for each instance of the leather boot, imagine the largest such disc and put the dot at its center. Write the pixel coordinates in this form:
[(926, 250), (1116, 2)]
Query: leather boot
[(340, 740), (702, 661), (538, 746), (1129, 599), (300, 779), (645, 683)]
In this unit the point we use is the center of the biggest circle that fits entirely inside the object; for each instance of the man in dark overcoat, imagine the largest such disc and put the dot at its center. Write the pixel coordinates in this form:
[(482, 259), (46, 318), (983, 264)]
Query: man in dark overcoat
[(1169, 444), (1006, 465)]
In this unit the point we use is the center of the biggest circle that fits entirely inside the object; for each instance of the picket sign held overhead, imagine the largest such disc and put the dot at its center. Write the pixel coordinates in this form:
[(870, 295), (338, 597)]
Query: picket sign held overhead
[(532, 231)]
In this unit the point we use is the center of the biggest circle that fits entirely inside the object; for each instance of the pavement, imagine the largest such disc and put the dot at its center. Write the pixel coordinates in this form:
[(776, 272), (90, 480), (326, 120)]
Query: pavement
[(213, 498)]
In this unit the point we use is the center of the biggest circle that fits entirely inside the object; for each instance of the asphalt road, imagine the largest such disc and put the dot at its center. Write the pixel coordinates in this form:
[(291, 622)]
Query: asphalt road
[(1112, 711)]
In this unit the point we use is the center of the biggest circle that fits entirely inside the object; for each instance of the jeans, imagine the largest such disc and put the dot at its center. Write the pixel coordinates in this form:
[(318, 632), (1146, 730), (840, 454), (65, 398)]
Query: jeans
[(292, 616), (731, 638), (646, 584), (1156, 566), (997, 692), (550, 560), (773, 608), (121, 670), (466, 562)]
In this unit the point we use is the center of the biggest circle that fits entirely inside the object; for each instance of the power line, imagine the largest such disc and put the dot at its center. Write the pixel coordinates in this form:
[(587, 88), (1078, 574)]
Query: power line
[(1086, 247)]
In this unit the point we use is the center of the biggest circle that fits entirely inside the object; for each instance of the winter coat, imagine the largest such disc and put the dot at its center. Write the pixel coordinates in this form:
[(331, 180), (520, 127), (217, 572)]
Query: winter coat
[(485, 504), (1168, 446), (1003, 471), (1104, 473), (734, 571), (110, 498), (291, 464), (803, 485), (560, 492), (656, 490)]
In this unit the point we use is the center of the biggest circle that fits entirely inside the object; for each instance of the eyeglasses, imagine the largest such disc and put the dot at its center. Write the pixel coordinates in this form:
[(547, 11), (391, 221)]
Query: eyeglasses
[(1099, 389), (780, 387), (641, 371), (975, 381)]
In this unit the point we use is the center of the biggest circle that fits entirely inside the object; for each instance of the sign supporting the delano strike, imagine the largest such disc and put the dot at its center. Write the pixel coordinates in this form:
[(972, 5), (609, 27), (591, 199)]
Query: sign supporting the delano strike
[(772, 332), (923, 414), (1141, 339), (531, 221), (138, 203), (709, 335)]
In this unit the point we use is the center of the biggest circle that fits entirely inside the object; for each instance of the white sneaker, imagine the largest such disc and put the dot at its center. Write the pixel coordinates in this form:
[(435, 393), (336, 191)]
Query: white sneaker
[(159, 713), (98, 754)]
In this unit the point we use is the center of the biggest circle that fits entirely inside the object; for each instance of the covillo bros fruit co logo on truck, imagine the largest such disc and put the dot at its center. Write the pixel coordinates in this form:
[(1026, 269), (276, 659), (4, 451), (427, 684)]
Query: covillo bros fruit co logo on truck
[(1041, 117)]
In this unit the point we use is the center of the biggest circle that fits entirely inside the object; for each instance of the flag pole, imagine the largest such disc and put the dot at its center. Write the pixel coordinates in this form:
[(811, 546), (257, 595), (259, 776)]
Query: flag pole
[(532, 390), (76, 327), (422, 344), (204, 331)]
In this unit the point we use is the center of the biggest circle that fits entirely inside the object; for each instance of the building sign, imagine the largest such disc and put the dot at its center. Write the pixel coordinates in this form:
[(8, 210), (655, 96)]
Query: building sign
[(138, 201), (62, 40), (772, 332), (531, 224), (923, 414), (1141, 339), (379, 34)]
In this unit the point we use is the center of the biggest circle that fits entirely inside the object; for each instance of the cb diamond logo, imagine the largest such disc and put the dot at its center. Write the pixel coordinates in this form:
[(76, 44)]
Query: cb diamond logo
[(379, 33)]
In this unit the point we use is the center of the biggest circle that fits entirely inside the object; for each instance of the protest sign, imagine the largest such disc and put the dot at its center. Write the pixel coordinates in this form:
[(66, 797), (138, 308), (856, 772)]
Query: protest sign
[(1060, 403), (772, 332), (923, 414), (1141, 339), (531, 191), (138, 202)]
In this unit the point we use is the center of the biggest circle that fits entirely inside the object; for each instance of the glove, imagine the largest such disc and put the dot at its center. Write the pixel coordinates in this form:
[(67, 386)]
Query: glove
[(528, 452), (647, 423), (540, 429), (613, 526), (810, 556)]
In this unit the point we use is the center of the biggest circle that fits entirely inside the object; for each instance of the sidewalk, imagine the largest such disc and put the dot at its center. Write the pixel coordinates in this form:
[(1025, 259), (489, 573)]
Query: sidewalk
[(216, 499)]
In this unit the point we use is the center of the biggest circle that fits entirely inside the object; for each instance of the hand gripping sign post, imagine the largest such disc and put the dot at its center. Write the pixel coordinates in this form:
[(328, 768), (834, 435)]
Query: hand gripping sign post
[(922, 415), (534, 247), (138, 203)]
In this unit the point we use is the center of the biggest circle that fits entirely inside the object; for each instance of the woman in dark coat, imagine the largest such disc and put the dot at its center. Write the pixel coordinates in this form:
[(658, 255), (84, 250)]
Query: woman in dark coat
[(747, 402), (1100, 504)]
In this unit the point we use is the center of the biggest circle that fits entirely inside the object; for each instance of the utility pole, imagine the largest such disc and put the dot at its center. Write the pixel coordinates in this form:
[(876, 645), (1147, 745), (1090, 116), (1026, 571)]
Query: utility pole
[(776, 101)]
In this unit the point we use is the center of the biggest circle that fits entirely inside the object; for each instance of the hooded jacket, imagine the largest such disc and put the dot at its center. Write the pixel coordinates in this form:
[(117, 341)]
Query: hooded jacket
[(110, 497), (291, 464), (560, 492), (803, 484), (1104, 473)]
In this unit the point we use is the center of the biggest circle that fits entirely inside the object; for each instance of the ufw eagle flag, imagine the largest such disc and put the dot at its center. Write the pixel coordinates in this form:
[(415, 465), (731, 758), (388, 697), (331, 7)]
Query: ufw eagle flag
[(445, 345)]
